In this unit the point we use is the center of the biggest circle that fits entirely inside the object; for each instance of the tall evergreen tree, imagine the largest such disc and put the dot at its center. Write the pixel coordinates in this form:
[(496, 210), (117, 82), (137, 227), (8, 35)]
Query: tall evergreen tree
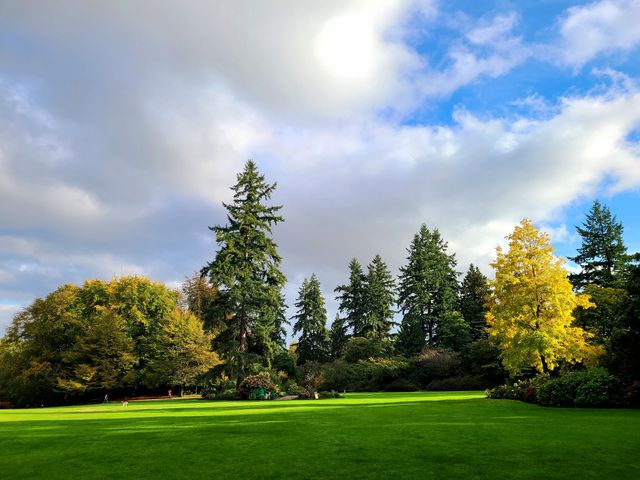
[(311, 323), (338, 337), (410, 339), (352, 299), (246, 270), (380, 298), (473, 296), (428, 283), (602, 255)]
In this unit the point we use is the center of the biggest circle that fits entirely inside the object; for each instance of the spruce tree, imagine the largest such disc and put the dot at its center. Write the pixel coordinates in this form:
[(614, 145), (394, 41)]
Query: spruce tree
[(428, 284), (602, 255), (338, 337), (310, 322), (410, 339), (352, 299), (473, 295), (246, 270), (380, 298)]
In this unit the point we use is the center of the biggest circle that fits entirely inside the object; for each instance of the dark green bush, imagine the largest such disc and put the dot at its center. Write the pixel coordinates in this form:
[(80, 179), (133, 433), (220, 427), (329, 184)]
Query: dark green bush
[(466, 382), (504, 392), (401, 385), (331, 394), (360, 348), (365, 375), (292, 388), (584, 388), (433, 364)]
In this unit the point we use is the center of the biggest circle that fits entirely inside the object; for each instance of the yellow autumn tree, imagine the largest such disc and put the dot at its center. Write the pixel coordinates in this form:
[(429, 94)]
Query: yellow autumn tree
[(531, 306)]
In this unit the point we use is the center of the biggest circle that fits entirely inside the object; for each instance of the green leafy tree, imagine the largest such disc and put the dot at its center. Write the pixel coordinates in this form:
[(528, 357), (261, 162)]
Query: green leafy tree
[(310, 322), (602, 255), (338, 337), (181, 351), (473, 295), (428, 284), (246, 270), (605, 317), (140, 302), (380, 298), (102, 357), (201, 298), (625, 339), (35, 349), (352, 299)]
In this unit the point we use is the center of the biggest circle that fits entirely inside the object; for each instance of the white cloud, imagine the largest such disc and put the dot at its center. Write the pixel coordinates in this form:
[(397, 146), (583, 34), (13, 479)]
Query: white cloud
[(122, 129), (598, 28), (491, 51)]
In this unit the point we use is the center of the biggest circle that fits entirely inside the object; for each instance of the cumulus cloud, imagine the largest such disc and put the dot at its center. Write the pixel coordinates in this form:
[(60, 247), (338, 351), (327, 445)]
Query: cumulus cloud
[(598, 28), (121, 129)]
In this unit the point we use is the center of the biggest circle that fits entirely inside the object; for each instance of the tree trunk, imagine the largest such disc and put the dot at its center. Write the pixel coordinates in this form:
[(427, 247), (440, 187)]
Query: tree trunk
[(243, 333), (545, 367)]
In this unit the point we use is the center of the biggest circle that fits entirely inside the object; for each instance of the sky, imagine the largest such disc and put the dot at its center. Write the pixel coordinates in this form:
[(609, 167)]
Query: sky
[(123, 125)]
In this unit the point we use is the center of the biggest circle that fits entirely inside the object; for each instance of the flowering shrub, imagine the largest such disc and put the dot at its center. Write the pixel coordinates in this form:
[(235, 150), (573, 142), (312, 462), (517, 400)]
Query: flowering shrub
[(584, 388)]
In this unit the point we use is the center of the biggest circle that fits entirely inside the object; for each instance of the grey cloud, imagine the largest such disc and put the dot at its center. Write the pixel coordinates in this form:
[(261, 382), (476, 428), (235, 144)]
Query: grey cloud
[(122, 127)]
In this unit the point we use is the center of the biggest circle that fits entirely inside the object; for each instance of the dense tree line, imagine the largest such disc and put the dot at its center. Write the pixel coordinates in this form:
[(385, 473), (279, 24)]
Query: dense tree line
[(124, 337), (428, 328)]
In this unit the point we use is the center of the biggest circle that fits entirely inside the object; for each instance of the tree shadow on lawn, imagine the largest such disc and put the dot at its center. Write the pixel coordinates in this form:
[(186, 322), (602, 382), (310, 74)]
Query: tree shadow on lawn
[(305, 439), (208, 409)]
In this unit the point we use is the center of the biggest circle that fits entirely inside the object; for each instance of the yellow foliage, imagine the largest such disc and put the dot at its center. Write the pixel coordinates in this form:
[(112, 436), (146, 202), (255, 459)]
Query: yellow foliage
[(531, 306)]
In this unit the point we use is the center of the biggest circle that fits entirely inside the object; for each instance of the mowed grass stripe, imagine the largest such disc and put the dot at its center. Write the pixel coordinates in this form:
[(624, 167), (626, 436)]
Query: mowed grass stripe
[(372, 435)]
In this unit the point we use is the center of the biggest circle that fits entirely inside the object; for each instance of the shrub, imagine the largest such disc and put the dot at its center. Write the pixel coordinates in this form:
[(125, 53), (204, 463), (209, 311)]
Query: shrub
[(482, 358), (360, 348), (292, 388), (401, 385), (504, 392), (253, 383), (584, 388), (598, 389), (467, 382), (331, 394), (433, 364), (632, 395)]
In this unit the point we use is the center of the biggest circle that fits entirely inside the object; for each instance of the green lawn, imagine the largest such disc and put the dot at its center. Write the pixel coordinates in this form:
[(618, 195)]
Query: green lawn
[(379, 435)]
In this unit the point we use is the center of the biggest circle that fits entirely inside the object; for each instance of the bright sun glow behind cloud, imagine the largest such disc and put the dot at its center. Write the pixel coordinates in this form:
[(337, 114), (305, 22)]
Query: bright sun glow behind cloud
[(346, 47)]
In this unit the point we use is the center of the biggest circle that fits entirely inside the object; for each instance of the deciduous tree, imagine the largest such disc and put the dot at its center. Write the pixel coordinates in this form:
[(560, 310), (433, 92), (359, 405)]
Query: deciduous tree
[(532, 304)]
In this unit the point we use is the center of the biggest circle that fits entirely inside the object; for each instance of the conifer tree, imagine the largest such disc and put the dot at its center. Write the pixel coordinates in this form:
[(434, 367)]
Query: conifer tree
[(602, 255), (310, 322), (352, 299), (338, 337), (532, 304), (380, 298), (246, 270), (428, 283), (410, 339), (473, 295)]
